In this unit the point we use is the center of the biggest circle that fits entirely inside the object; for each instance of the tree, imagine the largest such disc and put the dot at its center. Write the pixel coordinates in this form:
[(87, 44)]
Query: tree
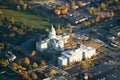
[(26, 60), (1, 46), (57, 11), (14, 28), (47, 30), (20, 2), (103, 6), (52, 1), (33, 53), (1, 13), (34, 76), (43, 62), (97, 19), (58, 30), (64, 10), (70, 30), (35, 65), (85, 24), (92, 10), (25, 75), (108, 15), (11, 19), (112, 14), (14, 66), (4, 62), (102, 16), (52, 72), (69, 25), (80, 3), (73, 78), (73, 5), (24, 6), (94, 30), (18, 8)]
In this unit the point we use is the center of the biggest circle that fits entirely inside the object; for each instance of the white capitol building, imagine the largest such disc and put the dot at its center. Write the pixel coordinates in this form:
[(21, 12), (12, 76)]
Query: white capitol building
[(76, 55), (53, 41), (57, 42)]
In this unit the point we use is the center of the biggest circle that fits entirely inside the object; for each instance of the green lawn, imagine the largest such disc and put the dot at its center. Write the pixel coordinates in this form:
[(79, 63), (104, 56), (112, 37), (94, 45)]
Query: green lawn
[(35, 21)]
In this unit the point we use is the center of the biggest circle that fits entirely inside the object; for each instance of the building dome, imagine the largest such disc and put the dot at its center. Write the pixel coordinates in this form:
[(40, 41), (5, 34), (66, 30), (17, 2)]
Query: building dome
[(52, 33)]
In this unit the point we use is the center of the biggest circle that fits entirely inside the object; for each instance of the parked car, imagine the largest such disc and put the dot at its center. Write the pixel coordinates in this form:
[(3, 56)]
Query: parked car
[(11, 57)]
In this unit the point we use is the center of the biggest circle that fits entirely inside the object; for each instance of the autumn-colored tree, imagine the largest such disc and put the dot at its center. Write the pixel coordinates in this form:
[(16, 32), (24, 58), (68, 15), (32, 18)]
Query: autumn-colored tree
[(57, 11), (70, 41), (70, 30), (108, 15), (4, 62), (52, 1), (21, 68), (73, 5), (92, 10), (52, 72), (64, 10), (26, 60), (73, 62), (80, 3), (47, 30), (112, 14), (25, 75), (14, 66), (102, 16), (24, 6), (11, 19), (104, 6), (1, 13), (61, 9), (43, 62), (88, 22), (18, 8), (1, 46), (34, 76), (58, 30), (69, 25), (94, 30), (33, 53), (35, 65), (73, 78), (97, 19), (92, 21), (20, 2), (14, 28), (85, 24)]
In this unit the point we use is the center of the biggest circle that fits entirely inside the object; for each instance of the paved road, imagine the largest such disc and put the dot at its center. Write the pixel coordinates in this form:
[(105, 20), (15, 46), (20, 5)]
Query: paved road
[(88, 29), (25, 44)]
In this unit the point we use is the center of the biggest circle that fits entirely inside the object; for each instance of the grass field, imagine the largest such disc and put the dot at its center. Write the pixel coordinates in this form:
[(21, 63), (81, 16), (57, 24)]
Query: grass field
[(35, 21)]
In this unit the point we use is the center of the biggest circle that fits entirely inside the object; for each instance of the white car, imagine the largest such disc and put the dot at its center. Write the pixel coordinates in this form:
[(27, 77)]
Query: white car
[(11, 57)]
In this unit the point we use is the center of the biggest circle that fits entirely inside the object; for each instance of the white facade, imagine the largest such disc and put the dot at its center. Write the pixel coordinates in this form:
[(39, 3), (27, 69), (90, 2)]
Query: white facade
[(62, 60), (76, 55), (53, 41)]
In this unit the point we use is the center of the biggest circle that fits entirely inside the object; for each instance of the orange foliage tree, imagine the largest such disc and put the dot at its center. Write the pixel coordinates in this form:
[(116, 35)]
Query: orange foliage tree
[(43, 62), (14, 66), (97, 19), (80, 3), (26, 60), (58, 30), (1, 46), (62, 9), (85, 24), (70, 40), (33, 53)]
